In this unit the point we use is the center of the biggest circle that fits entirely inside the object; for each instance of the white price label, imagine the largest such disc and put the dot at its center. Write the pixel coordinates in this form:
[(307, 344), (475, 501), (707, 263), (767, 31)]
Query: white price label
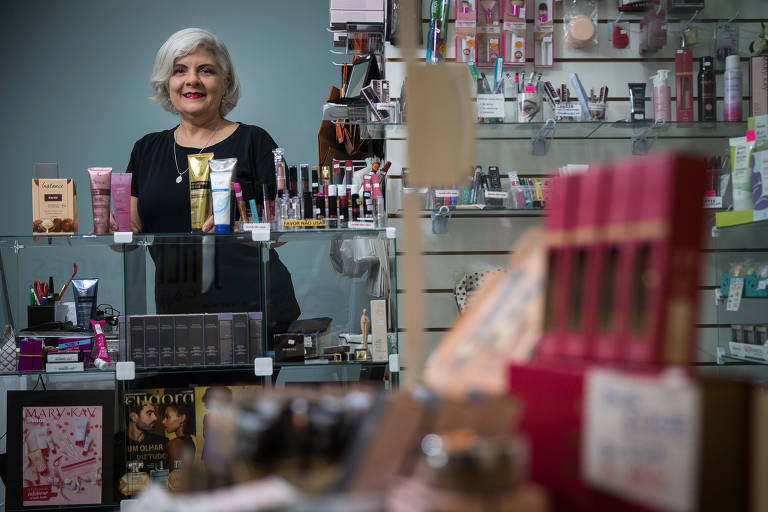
[(489, 30), (259, 231), (360, 224), (762, 285), (308, 341), (570, 110), (737, 349), (466, 23), (734, 294), (754, 351), (713, 202), (495, 194), (490, 105), (446, 193), (515, 25), (641, 438)]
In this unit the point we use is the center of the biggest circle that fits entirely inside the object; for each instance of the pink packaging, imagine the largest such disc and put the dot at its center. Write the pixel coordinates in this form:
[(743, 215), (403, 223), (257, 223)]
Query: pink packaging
[(121, 200), (102, 355), (100, 192)]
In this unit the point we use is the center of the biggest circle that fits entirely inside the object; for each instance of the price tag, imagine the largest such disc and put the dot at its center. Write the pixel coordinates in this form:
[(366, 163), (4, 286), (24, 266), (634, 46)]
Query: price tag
[(737, 349), (515, 25), (360, 224), (446, 193), (713, 202), (123, 237), (641, 438), (489, 30), (263, 366), (754, 351), (466, 23), (495, 194), (734, 294), (259, 231), (568, 110), (308, 341), (490, 105)]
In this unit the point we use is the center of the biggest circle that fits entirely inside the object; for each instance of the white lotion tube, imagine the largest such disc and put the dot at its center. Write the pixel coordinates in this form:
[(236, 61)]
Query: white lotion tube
[(221, 180)]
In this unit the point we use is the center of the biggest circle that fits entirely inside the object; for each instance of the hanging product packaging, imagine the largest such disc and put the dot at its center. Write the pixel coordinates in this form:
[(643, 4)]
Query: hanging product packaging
[(513, 34), (726, 42), (543, 32), (620, 34), (466, 27), (438, 30), (199, 189), (653, 30), (580, 22), (488, 38)]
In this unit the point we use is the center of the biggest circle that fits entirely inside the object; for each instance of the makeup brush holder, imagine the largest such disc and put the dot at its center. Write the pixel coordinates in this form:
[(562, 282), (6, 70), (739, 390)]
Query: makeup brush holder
[(530, 107)]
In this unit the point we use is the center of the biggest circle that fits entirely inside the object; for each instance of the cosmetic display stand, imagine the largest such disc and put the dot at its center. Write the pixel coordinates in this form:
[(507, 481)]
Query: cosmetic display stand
[(332, 274)]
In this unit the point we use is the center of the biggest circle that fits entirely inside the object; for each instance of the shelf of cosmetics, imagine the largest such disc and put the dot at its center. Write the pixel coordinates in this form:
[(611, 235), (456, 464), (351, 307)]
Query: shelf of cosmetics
[(232, 339), (486, 192)]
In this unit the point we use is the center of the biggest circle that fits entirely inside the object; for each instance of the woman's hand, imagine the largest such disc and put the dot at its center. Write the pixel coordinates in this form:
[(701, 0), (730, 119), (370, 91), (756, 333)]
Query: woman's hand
[(208, 225)]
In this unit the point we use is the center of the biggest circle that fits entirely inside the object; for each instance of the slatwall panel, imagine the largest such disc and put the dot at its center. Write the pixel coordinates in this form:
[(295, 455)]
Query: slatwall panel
[(474, 243)]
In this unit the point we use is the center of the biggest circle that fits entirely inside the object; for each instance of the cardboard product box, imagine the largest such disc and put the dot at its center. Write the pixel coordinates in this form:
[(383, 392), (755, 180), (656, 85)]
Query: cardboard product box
[(151, 341), (289, 347), (54, 206), (758, 85), (196, 340), (166, 344), (255, 347), (378, 342), (240, 338), (181, 340), (136, 340), (665, 245), (554, 402), (211, 328), (226, 352)]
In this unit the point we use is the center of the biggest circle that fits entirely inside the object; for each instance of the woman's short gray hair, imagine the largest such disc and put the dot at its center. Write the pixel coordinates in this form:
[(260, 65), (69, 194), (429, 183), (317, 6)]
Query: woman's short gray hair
[(183, 43)]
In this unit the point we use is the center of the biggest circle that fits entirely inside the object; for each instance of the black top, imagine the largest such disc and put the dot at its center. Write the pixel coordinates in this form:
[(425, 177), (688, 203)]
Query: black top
[(164, 205)]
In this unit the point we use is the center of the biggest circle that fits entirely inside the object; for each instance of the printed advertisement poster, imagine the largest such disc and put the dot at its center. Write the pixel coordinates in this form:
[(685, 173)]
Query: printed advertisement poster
[(61, 455), (160, 437)]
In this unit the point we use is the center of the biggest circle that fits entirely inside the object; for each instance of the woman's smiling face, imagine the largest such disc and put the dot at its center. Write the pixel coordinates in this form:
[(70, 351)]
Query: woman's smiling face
[(197, 84)]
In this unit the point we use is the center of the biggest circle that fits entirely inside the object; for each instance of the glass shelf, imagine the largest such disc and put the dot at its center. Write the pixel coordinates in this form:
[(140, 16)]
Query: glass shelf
[(577, 130), (479, 210), (242, 368), (88, 372)]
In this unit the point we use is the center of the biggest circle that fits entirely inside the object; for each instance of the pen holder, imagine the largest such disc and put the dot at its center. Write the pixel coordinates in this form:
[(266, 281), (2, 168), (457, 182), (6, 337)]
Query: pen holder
[(529, 107), (597, 111), (37, 315)]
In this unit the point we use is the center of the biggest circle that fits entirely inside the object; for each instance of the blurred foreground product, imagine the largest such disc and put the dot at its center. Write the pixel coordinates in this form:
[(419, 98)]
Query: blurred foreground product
[(621, 280), (650, 441), (502, 325)]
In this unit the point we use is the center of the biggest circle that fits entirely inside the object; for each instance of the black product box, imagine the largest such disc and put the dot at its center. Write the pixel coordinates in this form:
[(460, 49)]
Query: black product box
[(211, 328), (240, 338), (165, 340), (151, 342), (289, 347), (226, 353), (255, 348), (136, 340), (181, 340), (196, 340)]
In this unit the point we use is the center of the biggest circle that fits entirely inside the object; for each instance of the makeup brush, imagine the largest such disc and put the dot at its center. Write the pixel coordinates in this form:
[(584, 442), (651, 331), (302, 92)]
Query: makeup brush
[(64, 288)]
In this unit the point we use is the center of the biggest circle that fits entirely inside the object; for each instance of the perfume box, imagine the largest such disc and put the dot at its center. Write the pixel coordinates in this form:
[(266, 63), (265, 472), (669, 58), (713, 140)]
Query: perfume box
[(211, 328), (30, 357), (54, 206), (255, 348), (666, 260), (181, 340), (226, 353), (167, 349), (151, 341), (196, 335), (289, 347), (684, 86), (240, 338), (613, 295), (136, 340)]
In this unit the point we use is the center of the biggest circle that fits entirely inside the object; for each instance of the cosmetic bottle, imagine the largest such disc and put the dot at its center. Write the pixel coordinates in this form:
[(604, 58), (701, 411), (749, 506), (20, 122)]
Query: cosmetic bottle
[(684, 86), (707, 90), (314, 180), (732, 93), (355, 207), (661, 103), (333, 207), (320, 207), (307, 208)]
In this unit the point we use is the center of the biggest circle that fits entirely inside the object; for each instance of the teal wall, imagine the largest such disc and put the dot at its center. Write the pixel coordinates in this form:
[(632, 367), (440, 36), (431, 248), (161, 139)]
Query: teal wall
[(76, 84)]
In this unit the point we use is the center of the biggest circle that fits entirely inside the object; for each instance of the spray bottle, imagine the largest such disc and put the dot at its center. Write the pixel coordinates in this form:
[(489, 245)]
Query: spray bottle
[(661, 103)]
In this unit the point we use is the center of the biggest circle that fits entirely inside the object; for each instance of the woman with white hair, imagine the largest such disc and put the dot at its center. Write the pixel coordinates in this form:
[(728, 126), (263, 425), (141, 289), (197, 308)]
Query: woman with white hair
[(194, 78)]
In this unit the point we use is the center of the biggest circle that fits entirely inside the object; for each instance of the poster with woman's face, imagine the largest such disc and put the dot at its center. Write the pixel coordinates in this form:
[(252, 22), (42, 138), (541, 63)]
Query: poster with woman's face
[(61, 455)]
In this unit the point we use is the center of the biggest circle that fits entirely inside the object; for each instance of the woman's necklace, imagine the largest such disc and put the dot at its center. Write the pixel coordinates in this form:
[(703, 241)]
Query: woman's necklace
[(175, 160)]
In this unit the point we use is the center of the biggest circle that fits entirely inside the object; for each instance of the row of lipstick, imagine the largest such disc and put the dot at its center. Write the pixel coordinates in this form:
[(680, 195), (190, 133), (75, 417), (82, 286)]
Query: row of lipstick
[(330, 198)]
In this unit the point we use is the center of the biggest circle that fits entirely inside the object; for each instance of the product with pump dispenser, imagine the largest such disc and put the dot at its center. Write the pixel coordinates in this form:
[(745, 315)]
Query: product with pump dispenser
[(661, 96)]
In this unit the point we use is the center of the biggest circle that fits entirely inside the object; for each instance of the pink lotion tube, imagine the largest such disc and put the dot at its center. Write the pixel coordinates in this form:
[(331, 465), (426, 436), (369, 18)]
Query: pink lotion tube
[(100, 192), (121, 200), (102, 354)]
